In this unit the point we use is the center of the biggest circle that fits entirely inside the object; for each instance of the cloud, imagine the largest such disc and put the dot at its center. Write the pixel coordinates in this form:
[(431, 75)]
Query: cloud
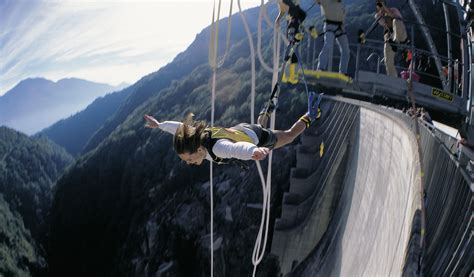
[(96, 40)]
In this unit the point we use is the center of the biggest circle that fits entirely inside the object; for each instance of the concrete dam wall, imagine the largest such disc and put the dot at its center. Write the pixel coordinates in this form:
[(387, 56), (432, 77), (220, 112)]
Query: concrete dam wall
[(355, 215)]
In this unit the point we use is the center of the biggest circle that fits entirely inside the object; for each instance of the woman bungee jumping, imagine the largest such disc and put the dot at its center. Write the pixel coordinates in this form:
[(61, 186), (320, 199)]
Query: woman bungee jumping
[(194, 141)]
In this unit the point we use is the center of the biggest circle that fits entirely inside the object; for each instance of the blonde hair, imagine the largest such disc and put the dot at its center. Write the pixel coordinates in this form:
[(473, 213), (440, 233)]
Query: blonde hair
[(190, 135)]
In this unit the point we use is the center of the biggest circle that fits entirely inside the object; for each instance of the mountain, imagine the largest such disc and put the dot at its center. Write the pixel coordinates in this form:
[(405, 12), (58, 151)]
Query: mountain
[(137, 209), (121, 86), (134, 206), (182, 65), (29, 168), (75, 131), (134, 209), (359, 16), (36, 103)]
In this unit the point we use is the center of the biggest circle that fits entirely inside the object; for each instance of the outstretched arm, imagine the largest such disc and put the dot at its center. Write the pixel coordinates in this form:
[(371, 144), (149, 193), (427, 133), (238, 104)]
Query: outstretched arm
[(151, 122), (167, 126), (239, 150)]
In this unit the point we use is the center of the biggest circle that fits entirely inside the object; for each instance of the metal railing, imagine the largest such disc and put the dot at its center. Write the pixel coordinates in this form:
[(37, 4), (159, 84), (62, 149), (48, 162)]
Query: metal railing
[(361, 55), (369, 57), (449, 202)]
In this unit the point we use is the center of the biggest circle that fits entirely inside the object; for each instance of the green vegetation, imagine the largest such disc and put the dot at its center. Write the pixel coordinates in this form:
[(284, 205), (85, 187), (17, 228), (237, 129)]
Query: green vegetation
[(28, 170), (134, 180), (18, 252)]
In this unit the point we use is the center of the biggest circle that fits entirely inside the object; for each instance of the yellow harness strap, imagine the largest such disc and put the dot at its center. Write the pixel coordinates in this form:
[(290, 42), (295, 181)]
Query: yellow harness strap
[(327, 74), (230, 134)]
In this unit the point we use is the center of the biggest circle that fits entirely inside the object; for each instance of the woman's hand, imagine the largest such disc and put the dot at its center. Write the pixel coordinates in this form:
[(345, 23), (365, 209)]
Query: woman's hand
[(151, 122), (260, 153)]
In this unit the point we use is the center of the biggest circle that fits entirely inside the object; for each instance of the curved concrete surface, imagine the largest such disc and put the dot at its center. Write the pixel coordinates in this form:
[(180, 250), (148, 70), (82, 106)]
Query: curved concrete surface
[(369, 232), (307, 207), (381, 195)]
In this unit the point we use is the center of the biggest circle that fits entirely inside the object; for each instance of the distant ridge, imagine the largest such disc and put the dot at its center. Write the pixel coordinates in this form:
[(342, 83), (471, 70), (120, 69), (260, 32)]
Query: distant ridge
[(75, 131), (36, 103)]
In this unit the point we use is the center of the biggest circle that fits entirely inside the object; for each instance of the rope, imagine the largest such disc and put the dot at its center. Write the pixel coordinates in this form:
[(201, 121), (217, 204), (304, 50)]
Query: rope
[(211, 181), (214, 64), (213, 61), (270, 23), (295, 51), (229, 23), (314, 3), (212, 40), (259, 37), (259, 249), (263, 12), (252, 55)]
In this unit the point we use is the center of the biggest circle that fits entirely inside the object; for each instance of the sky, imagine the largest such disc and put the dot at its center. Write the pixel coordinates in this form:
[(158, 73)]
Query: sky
[(107, 41)]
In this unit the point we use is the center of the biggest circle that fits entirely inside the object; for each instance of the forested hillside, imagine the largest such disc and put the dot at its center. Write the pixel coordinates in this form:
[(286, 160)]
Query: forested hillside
[(20, 255), (28, 170)]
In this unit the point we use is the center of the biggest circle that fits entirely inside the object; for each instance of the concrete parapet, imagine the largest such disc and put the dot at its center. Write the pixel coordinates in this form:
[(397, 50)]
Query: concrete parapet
[(291, 198), (372, 221), (304, 187), (305, 181), (307, 160), (297, 174), (289, 213)]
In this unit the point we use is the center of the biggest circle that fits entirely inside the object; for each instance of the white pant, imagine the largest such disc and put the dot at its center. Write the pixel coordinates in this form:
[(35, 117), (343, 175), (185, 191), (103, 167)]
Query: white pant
[(389, 56), (330, 33), (399, 35)]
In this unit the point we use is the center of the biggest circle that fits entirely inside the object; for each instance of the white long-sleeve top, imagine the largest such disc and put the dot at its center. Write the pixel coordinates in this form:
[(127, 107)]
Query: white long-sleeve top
[(223, 148)]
